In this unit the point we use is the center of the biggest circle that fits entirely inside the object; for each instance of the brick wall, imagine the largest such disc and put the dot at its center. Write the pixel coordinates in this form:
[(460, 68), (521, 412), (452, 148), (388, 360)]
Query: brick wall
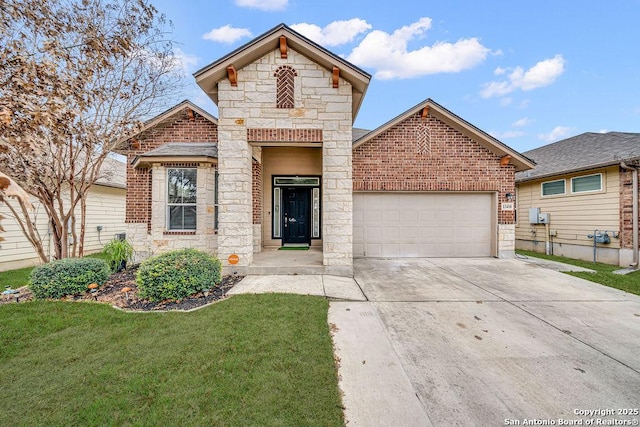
[(428, 155), (626, 209), (180, 128), (257, 192)]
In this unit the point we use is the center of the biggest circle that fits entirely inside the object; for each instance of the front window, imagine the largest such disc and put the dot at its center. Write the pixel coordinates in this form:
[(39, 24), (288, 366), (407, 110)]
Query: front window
[(583, 184), (552, 188), (181, 199)]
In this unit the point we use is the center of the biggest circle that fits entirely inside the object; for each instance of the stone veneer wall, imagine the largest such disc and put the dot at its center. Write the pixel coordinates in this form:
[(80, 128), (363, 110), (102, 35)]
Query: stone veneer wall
[(252, 105), (179, 128), (404, 159), (160, 239)]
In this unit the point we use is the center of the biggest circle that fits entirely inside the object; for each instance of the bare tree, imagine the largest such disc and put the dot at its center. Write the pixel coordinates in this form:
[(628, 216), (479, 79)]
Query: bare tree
[(76, 77)]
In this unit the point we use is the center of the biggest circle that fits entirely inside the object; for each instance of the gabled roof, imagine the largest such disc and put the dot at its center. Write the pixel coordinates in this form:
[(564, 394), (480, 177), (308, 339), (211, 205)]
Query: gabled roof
[(178, 151), (209, 76), (518, 160), (357, 133), (113, 173), (168, 114), (582, 152)]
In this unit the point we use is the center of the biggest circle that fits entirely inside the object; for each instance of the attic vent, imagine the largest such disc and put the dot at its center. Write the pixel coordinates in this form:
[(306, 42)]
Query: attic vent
[(423, 139), (285, 86)]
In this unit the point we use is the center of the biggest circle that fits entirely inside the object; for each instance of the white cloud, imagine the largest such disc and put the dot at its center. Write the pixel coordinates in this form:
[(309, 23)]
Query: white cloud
[(506, 101), (185, 61), (522, 122), (507, 134), (263, 4), (334, 34), (558, 132), (541, 74), (524, 104), (227, 34), (603, 131), (499, 71), (388, 53)]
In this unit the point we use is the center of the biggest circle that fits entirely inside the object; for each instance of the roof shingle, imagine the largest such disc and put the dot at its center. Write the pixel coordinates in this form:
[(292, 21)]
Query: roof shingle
[(585, 151)]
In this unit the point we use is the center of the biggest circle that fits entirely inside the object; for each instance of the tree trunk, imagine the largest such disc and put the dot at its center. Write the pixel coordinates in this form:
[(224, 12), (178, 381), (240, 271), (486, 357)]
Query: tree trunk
[(27, 225), (83, 224)]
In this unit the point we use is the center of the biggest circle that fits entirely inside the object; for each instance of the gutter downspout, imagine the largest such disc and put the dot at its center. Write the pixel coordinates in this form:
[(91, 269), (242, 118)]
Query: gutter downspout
[(634, 171)]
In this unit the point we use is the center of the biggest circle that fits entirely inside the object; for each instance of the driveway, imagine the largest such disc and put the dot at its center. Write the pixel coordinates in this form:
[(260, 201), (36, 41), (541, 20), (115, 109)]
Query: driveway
[(489, 342)]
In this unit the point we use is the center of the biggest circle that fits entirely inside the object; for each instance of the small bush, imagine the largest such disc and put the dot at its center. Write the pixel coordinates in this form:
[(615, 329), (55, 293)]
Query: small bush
[(118, 252), (177, 274), (69, 276)]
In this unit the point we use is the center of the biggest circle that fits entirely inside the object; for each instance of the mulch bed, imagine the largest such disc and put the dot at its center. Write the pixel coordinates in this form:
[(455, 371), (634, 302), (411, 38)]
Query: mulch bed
[(111, 293)]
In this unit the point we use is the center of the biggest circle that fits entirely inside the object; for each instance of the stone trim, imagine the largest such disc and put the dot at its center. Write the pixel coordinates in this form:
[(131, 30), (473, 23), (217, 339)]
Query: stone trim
[(284, 135)]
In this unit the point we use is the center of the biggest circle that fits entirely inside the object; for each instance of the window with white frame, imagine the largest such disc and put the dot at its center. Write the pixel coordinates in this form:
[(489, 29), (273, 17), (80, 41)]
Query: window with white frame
[(587, 183), (181, 198), (552, 188)]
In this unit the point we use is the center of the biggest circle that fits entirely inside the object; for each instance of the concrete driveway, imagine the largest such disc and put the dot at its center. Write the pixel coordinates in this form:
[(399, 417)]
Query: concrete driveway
[(487, 342)]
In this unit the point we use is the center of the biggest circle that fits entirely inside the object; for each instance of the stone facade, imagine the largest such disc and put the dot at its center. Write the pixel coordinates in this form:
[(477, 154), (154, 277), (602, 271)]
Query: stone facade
[(252, 105)]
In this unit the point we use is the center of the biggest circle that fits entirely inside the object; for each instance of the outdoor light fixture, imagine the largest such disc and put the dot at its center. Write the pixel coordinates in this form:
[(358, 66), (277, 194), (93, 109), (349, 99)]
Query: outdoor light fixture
[(510, 197)]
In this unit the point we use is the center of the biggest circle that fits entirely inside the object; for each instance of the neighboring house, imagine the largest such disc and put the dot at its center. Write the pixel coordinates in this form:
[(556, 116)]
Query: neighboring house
[(585, 185), (105, 209), (282, 165)]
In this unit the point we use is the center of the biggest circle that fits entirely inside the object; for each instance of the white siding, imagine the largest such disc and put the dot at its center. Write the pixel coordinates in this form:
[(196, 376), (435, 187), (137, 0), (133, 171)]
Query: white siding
[(105, 207)]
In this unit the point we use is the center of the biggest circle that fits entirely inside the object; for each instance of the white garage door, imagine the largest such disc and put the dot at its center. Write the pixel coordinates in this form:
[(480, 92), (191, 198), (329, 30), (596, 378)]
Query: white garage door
[(422, 224)]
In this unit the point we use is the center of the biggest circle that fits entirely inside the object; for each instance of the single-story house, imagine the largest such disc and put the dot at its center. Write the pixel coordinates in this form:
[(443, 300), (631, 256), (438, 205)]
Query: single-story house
[(105, 219), (582, 188), (283, 165)]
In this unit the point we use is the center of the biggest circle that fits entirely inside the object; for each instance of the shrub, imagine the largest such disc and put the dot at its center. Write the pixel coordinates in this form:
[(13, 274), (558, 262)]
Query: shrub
[(69, 276), (118, 252), (177, 274)]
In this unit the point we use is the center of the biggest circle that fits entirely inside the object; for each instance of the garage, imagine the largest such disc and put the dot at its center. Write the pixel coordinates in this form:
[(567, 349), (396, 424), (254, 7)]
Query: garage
[(423, 224)]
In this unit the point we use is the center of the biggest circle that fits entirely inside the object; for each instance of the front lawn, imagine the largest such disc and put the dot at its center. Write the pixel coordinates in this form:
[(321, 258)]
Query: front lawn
[(250, 360), (603, 275), (15, 278)]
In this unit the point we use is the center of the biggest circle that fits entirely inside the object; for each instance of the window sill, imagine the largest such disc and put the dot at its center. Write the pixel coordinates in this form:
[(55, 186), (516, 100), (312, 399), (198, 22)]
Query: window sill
[(179, 233)]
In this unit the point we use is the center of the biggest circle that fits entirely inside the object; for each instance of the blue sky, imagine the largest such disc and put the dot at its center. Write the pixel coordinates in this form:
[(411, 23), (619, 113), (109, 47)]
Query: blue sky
[(529, 73)]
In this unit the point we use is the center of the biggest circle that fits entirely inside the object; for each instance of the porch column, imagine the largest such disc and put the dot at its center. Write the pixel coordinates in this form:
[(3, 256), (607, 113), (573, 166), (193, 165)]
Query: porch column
[(235, 218), (337, 198)]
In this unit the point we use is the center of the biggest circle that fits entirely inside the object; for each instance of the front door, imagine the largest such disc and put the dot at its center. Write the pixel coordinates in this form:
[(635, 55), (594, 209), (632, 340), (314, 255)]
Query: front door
[(296, 202)]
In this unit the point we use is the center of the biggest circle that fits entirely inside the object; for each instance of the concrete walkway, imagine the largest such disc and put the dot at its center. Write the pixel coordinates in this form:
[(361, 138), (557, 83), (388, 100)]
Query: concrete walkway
[(332, 287)]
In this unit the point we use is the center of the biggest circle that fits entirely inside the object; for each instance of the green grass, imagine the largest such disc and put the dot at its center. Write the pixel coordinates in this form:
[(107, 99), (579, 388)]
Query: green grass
[(99, 255), (262, 360), (603, 275), (15, 278), (20, 277)]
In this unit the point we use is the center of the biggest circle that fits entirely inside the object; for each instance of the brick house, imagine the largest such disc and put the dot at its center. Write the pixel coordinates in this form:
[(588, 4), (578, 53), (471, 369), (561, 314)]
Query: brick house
[(282, 165)]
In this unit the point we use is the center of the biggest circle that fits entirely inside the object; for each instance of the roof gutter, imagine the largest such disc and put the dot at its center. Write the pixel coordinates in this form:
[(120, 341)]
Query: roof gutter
[(634, 171)]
